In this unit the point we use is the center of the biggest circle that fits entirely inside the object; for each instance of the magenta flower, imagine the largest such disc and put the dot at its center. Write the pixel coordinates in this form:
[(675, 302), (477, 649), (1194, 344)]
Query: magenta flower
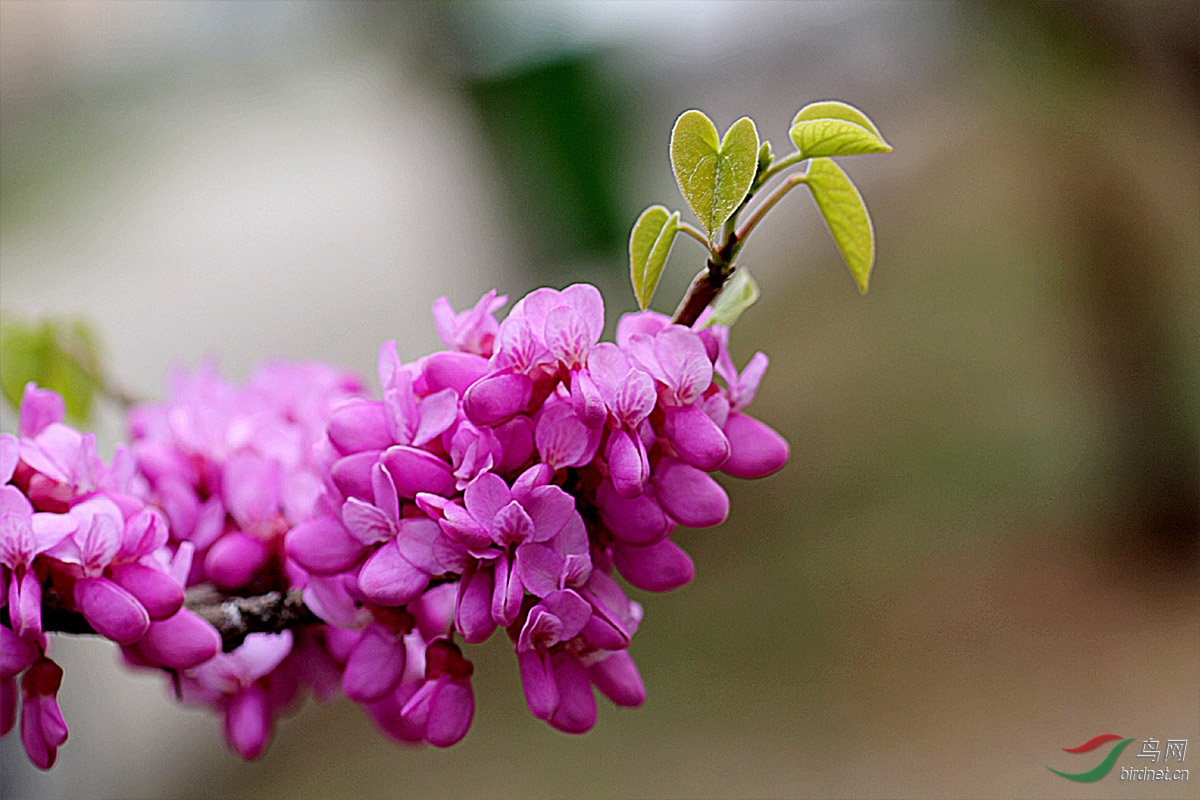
[(43, 729), (442, 708), (24, 536), (470, 331), (233, 683)]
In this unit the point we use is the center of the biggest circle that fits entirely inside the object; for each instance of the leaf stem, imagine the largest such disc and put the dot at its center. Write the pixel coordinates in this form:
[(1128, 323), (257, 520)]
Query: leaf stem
[(773, 198), (779, 166), (695, 233)]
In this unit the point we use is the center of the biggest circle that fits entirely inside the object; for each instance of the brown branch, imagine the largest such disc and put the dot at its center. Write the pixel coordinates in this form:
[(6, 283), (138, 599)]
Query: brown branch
[(237, 617), (707, 285), (234, 617)]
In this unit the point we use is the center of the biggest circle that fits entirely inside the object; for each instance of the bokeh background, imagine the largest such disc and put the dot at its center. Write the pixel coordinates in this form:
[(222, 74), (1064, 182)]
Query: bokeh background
[(984, 548)]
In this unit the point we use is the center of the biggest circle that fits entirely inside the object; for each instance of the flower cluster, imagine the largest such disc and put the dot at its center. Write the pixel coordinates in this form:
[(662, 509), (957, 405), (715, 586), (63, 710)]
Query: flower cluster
[(506, 480), (75, 538), (509, 481), (232, 469)]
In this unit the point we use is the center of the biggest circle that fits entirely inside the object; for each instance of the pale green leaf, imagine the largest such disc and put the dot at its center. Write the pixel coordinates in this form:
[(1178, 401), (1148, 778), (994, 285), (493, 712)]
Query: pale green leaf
[(834, 109), (739, 293), (846, 215), (649, 245), (714, 176), (816, 138), (831, 128), (54, 356)]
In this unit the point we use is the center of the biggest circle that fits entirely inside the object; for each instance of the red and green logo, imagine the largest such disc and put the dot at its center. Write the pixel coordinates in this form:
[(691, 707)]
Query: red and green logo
[(1104, 767)]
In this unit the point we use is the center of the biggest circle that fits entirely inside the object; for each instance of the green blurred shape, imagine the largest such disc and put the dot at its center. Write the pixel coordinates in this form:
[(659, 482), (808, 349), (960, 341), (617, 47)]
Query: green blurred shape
[(552, 129), (55, 354)]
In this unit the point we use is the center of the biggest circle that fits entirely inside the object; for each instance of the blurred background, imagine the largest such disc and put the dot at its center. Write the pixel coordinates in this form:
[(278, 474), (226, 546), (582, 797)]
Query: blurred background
[(984, 547)]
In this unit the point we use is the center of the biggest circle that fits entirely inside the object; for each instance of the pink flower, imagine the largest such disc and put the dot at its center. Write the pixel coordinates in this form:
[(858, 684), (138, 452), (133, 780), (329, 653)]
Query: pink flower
[(43, 729)]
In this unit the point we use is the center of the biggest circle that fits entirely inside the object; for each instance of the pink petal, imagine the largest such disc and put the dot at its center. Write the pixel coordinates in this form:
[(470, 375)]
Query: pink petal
[(660, 567), (9, 456), (323, 545), (389, 579), (494, 399), (698, 440), (756, 449), (617, 679), (473, 606), (438, 412), (366, 523), (415, 539), (25, 604), (537, 680), (540, 568), (516, 442), (112, 611), (251, 487), (352, 474), (570, 608), (235, 559), (414, 471), (640, 322), (248, 724), (451, 709), (628, 464), (506, 594), (375, 666), (638, 520), (485, 496), (179, 642), (562, 439), (159, 593), (684, 361), (689, 495), (359, 425), (576, 712), (16, 654), (567, 336), (586, 400), (449, 370), (39, 408)]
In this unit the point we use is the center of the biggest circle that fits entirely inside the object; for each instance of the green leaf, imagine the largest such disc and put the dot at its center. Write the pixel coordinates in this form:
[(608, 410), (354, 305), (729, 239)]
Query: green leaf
[(831, 128), (765, 157), (834, 109), (817, 138), (54, 355), (739, 293), (649, 245), (846, 215), (714, 176)]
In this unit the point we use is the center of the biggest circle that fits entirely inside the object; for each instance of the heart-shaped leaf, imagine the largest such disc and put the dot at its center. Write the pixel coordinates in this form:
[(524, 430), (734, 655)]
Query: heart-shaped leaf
[(713, 175), (649, 245), (831, 128), (846, 215), (739, 293)]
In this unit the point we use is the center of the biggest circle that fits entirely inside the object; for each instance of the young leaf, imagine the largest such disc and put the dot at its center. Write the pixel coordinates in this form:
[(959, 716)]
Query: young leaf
[(714, 176), (833, 109), (649, 245), (846, 215), (739, 293), (831, 128), (816, 138)]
